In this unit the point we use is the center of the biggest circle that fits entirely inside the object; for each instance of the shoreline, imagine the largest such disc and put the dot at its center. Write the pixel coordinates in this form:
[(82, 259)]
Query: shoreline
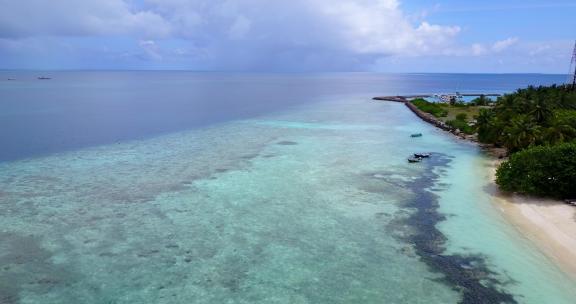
[(549, 225), (494, 152), (427, 117)]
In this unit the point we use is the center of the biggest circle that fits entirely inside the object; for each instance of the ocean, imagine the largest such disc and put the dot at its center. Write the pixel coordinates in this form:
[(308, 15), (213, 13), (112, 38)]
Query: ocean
[(182, 187)]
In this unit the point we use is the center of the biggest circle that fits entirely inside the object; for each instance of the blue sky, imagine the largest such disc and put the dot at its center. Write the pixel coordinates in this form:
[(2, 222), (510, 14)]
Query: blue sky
[(490, 36)]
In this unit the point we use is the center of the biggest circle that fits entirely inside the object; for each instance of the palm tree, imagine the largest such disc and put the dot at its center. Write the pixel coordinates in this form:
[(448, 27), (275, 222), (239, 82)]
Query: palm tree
[(484, 117), (559, 131), (567, 100), (541, 109), (522, 132), (486, 126)]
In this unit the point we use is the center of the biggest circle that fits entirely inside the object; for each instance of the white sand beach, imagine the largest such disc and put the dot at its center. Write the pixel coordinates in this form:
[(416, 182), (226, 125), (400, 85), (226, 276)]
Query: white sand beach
[(549, 224)]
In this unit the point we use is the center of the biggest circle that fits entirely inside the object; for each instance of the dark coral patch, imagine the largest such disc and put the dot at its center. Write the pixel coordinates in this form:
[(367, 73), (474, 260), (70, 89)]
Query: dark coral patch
[(467, 274)]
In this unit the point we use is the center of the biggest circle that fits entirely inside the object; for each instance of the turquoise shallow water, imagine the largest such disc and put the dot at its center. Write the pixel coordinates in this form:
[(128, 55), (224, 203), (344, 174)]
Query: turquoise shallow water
[(312, 205)]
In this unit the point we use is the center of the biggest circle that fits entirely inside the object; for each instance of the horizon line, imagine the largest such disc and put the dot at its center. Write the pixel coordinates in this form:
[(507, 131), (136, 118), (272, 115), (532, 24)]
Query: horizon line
[(269, 72)]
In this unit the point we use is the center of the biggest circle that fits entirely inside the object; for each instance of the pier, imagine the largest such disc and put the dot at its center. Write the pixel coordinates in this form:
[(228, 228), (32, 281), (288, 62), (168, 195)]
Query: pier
[(405, 98)]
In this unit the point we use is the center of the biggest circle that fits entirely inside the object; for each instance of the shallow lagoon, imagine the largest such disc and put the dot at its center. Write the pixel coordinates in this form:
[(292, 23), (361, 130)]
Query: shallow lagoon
[(311, 204)]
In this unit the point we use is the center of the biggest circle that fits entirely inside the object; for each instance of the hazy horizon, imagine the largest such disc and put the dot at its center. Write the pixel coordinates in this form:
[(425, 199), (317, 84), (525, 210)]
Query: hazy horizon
[(280, 72)]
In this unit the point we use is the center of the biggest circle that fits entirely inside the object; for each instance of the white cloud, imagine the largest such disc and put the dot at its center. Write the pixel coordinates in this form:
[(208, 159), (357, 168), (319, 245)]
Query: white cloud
[(28, 18), (151, 49), (381, 27), (502, 45), (478, 49), (331, 33), (482, 49), (241, 34), (539, 49)]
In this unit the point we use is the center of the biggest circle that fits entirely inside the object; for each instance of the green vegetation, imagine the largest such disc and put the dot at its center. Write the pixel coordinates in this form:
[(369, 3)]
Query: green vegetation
[(436, 109), (462, 125), (538, 126), (530, 117), (544, 170), (481, 101), (462, 116), (456, 115)]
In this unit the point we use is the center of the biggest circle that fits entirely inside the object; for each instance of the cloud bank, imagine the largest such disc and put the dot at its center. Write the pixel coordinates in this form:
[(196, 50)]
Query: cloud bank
[(255, 35)]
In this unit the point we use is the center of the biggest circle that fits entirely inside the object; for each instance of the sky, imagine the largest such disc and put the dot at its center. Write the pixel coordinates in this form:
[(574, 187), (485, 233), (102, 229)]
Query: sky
[(490, 36)]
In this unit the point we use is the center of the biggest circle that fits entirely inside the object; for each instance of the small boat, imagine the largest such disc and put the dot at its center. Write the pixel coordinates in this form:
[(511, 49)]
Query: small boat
[(44, 78), (422, 155), (414, 160), (416, 135)]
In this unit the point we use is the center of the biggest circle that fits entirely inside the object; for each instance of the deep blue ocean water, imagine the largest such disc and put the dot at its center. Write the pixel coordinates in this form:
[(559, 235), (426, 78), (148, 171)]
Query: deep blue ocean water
[(176, 187)]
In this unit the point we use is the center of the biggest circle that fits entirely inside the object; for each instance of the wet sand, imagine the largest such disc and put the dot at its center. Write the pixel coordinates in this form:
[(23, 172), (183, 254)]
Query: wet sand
[(549, 224)]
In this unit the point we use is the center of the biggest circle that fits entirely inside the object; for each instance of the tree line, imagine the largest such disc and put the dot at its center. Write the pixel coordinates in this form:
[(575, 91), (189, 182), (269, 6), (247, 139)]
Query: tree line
[(537, 125), (530, 117)]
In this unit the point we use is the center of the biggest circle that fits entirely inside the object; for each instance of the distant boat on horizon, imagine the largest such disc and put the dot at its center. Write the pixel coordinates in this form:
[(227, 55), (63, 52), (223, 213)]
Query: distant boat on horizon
[(44, 78)]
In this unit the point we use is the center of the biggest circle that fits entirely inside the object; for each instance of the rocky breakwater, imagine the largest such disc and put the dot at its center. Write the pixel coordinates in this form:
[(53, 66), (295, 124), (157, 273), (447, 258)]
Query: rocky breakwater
[(439, 123)]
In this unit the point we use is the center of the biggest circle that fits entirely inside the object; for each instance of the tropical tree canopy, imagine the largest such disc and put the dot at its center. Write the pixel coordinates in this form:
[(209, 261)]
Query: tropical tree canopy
[(530, 117), (544, 170)]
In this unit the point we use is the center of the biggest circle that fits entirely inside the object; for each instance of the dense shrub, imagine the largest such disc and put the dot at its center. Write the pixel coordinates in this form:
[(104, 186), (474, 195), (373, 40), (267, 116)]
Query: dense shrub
[(461, 116), (462, 125), (543, 170), (435, 109)]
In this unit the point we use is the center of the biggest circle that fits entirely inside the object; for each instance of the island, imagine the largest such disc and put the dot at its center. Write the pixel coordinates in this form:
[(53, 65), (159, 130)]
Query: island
[(532, 133)]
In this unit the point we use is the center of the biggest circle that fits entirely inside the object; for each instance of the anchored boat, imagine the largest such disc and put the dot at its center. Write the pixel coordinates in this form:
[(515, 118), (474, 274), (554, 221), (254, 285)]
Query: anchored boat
[(422, 155)]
